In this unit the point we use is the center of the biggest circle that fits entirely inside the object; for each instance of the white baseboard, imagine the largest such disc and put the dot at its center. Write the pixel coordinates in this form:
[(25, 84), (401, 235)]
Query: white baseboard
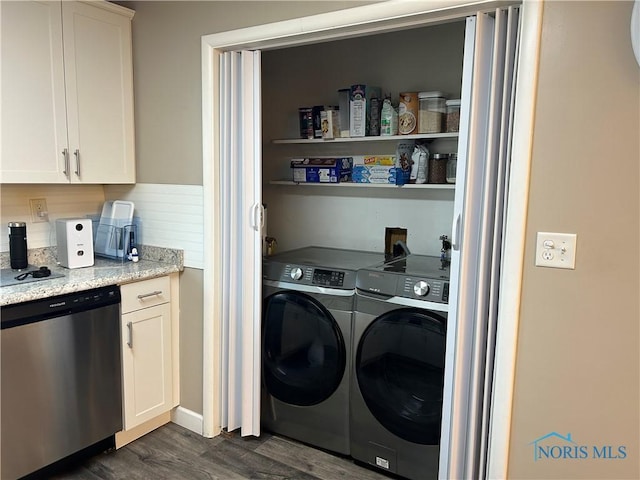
[(187, 419)]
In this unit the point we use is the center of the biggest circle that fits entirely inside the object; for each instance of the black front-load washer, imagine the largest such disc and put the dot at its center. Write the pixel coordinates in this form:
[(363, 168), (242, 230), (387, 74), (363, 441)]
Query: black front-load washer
[(399, 338)]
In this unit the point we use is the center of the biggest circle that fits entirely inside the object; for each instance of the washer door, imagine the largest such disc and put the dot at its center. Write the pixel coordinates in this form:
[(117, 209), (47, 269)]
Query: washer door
[(400, 371), (303, 351)]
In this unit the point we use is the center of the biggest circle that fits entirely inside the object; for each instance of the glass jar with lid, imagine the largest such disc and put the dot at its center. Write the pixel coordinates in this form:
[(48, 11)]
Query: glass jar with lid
[(432, 111), (453, 116), (438, 168), (452, 165)]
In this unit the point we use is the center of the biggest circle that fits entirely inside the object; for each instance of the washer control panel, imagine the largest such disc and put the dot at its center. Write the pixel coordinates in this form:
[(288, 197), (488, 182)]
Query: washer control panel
[(328, 278)]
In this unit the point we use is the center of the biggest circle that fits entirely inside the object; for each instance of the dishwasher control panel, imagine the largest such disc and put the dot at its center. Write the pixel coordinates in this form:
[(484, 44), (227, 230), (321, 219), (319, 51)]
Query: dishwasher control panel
[(41, 309)]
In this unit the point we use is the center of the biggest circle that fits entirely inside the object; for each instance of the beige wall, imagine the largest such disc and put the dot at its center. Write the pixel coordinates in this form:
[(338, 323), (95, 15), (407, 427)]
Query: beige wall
[(167, 75), (191, 339), (577, 365)]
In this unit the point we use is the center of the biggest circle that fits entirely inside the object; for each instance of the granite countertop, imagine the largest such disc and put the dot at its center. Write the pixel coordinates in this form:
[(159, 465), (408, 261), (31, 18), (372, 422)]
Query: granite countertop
[(155, 262)]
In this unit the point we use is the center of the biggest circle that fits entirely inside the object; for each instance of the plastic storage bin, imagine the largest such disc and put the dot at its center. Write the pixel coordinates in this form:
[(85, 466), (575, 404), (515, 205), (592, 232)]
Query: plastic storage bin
[(115, 242), (453, 116), (452, 165), (433, 108)]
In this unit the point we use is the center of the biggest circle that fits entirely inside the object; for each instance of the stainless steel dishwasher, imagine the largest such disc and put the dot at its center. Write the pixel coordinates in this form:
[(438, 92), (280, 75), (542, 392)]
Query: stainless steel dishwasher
[(61, 387)]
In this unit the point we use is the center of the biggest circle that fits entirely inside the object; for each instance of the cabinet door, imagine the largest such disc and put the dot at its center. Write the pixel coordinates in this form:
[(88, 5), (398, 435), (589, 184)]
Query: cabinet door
[(99, 88), (34, 129), (146, 364)]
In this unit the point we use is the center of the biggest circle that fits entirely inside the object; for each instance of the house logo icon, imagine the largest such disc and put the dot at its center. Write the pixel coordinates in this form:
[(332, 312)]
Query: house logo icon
[(553, 445)]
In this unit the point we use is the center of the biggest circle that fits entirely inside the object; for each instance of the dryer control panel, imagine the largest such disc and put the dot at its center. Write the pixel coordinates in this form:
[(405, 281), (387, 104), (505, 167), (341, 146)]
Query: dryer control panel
[(433, 290), (308, 275)]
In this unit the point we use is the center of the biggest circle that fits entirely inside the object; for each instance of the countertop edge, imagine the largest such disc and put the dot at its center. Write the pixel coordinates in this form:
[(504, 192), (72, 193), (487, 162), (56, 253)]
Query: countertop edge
[(101, 274)]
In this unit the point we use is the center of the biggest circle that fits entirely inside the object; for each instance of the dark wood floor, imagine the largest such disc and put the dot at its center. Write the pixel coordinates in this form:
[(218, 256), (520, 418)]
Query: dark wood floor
[(173, 452)]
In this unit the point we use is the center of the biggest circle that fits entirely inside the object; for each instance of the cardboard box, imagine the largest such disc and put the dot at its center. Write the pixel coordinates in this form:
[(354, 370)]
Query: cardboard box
[(305, 115), (316, 113), (360, 109), (374, 110), (389, 160), (344, 98), (330, 120), (374, 174), (322, 170), (317, 125)]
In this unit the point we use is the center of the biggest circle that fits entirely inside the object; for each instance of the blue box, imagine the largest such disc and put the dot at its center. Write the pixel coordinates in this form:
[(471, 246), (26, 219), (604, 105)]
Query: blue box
[(374, 174), (322, 170)]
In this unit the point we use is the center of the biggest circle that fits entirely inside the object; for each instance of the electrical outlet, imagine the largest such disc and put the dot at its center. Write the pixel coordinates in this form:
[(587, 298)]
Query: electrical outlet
[(39, 211), (556, 250)]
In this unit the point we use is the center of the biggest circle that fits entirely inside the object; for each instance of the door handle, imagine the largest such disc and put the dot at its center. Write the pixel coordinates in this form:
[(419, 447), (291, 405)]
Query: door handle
[(257, 217), (455, 233), (130, 328), (77, 154), (65, 155)]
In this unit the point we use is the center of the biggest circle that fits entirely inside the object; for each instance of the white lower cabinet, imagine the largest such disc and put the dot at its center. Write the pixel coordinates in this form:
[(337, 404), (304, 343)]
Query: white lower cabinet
[(149, 357)]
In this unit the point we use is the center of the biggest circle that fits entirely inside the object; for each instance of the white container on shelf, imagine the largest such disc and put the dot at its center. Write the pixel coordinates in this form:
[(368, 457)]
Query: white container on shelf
[(453, 116), (452, 164), (432, 112)]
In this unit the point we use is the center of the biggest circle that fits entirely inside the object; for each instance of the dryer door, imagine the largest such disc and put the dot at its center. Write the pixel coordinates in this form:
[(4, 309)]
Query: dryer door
[(400, 371), (303, 350)]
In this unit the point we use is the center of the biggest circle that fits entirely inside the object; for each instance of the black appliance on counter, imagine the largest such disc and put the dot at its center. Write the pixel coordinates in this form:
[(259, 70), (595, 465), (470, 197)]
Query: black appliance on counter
[(61, 388)]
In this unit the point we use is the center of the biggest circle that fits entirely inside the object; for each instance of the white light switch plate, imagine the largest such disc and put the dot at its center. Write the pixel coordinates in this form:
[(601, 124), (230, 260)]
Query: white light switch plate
[(556, 250)]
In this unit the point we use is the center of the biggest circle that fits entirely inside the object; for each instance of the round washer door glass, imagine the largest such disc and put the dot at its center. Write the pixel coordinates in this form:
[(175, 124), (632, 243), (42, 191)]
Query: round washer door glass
[(303, 351), (400, 371)]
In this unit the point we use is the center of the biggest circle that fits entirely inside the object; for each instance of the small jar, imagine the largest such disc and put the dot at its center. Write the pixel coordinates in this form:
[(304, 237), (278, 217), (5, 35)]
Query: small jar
[(452, 165), (438, 168), (433, 108), (453, 116)]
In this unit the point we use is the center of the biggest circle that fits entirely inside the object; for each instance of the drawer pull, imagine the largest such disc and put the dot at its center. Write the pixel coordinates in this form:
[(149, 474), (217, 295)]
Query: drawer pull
[(152, 294), (130, 328)]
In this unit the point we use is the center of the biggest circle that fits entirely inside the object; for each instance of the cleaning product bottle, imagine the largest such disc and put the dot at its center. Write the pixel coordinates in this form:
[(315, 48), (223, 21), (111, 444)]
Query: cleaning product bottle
[(386, 118)]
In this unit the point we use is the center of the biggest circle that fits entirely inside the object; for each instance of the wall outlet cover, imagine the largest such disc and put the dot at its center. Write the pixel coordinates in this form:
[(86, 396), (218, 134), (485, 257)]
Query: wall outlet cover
[(556, 250)]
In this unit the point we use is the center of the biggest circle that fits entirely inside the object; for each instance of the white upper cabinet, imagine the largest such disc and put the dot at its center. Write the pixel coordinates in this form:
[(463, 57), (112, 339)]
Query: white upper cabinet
[(67, 93), (34, 123), (99, 88)]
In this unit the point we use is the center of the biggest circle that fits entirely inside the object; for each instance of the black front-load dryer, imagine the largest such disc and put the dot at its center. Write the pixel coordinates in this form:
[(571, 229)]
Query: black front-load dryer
[(306, 343)]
